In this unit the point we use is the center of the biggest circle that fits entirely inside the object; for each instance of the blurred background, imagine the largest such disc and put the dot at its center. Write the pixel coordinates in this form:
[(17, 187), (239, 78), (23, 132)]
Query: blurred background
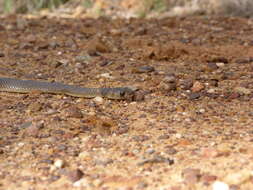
[(128, 8)]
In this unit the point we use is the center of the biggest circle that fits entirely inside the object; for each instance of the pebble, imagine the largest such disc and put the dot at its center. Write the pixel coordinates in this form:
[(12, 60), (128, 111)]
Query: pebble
[(197, 86), (219, 185), (202, 110), (242, 90), (33, 130), (106, 75), (150, 150), (220, 64), (83, 58), (169, 78), (59, 163), (167, 86), (98, 99), (211, 90), (186, 84), (171, 151), (212, 66), (194, 95), (144, 69), (75, 175)]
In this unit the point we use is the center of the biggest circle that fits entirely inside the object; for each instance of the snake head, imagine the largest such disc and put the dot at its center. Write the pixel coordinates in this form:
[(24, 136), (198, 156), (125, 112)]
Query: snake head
[(121, 94)]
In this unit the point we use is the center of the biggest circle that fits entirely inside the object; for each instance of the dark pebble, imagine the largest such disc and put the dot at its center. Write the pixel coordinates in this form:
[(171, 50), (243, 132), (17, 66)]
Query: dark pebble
[(144, 69), (186, 84), (219, 60), (75, 175), (171, 150), (194, 95), (212, 66)]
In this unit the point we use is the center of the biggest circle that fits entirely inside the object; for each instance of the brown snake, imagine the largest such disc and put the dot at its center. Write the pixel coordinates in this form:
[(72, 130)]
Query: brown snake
[(26, 86)]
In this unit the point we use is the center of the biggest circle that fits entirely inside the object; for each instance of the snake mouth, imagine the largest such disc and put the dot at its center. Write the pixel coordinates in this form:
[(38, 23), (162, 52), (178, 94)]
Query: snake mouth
[(127, 94), (121, 94)]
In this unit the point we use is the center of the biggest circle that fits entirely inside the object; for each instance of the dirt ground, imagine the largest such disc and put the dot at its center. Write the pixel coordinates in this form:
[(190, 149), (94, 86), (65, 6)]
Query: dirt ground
[(193, 130)]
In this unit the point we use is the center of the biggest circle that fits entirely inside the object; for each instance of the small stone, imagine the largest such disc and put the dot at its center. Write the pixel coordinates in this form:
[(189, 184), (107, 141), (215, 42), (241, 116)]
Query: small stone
[(99, 99), (202, 110), (167, 86), (33, 130), (211, 91), (150, 150), (59, 163), (194, 95), (63, 61), (197, 86), (169, 78), (34, 107), (242, 90), (186, 84), (171, 150), (75, 175), (144, 69), (74, 112), (213, 82), (220, 64), (212, 66), (83, 58), (219, 185), (106, 75)]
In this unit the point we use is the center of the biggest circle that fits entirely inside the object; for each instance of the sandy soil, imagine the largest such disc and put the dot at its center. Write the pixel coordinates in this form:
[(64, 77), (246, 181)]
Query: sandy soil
[(193, 130)]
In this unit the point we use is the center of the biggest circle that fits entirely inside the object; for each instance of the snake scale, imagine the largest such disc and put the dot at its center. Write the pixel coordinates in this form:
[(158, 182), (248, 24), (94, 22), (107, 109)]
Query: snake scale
[(27, 86)]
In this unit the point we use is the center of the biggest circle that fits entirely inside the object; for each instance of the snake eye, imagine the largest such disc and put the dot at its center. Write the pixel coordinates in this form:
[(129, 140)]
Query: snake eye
[(122, 93)]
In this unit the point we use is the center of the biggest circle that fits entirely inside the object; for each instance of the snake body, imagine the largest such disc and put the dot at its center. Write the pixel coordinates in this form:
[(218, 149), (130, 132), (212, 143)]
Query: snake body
[(27, 86)]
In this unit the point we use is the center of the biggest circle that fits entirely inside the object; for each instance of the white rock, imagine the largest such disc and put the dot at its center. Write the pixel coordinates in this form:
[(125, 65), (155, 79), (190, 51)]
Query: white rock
[(99, 99), (220, 64), (211, 90), (106, 75), (58, 163), (219, 185)]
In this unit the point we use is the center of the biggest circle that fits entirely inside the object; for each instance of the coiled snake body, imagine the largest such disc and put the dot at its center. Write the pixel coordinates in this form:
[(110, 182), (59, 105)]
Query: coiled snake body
[(26, 86)]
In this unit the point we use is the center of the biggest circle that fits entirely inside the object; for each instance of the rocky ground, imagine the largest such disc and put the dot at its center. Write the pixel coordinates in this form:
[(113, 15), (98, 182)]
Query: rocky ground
[(193, 130)]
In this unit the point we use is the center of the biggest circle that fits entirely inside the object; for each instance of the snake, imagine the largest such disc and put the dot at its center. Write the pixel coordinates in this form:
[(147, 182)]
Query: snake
[(29, 86)]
